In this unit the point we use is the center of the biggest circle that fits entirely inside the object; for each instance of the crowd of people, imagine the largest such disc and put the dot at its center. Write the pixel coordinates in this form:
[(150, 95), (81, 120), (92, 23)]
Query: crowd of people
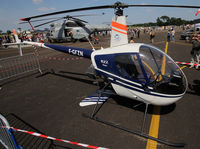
[(171, 35), (6, 39), (135, 33), (23, 37)]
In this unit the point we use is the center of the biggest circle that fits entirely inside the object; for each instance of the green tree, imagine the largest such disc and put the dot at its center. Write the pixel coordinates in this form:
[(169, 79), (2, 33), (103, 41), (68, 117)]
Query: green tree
[(1, 31), (165, 20), (159, 22)]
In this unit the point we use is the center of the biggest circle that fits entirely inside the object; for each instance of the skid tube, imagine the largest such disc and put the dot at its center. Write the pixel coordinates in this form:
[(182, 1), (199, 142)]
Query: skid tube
[(138, 133)]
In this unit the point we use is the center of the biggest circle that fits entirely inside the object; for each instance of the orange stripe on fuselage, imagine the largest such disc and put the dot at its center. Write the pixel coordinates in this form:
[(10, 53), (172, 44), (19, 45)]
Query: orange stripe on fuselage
[(119, 26), (119, 31)]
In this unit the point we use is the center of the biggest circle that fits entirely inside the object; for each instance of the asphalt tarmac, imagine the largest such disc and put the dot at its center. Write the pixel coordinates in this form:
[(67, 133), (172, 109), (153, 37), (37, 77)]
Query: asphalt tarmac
[(49, 103)]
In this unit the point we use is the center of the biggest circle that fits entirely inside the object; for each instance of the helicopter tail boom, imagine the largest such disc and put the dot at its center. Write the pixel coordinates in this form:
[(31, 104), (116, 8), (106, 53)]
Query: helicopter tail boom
[(70, 50)]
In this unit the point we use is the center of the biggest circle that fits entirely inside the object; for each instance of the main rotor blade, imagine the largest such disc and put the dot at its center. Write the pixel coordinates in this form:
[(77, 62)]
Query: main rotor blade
[(85, 15), (47, 22), (67, 11), (172, 6), (117, 5)]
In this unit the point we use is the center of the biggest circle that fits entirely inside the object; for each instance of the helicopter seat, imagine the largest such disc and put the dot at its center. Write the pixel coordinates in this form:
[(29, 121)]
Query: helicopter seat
[(124, 73), (141, 77)]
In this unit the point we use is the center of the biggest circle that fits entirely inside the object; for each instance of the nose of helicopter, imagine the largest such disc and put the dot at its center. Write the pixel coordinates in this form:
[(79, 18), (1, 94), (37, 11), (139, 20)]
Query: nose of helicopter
[(166, 78)]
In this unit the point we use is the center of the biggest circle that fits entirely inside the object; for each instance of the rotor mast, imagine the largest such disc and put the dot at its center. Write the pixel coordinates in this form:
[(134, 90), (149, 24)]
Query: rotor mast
[(118, 6), (119, 34)]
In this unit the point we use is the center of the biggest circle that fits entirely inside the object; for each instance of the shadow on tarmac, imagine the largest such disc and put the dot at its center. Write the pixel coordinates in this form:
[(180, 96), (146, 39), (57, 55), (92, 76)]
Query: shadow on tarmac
[(126, 102), (52, 72), (140, 106)]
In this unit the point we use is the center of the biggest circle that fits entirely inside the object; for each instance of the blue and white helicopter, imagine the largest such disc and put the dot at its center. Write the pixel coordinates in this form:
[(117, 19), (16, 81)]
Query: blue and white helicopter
[(137, 71)]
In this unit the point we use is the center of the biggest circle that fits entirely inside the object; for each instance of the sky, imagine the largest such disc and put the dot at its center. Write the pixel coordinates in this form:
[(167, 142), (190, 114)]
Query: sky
[(12, 10)]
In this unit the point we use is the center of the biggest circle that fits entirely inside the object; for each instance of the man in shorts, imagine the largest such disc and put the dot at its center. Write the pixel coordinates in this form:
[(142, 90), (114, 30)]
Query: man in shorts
[(195, 52)]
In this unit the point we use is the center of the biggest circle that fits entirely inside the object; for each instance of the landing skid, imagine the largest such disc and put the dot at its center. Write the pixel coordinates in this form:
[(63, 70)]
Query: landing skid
[(138, 133)]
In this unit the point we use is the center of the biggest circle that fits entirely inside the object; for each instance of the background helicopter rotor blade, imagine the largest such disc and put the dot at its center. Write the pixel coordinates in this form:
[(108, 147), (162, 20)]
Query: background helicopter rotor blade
[(64, 17), (47, 22), (117, 5), (41, 20), (59, 18), (79, 20)]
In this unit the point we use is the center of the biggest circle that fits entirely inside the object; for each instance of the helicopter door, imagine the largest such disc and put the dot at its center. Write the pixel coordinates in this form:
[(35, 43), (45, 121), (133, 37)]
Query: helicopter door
[(68, 32), (128, 67)]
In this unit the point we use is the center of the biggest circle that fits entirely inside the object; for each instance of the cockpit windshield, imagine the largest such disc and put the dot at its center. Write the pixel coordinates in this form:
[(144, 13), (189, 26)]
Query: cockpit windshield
[(163, 74)]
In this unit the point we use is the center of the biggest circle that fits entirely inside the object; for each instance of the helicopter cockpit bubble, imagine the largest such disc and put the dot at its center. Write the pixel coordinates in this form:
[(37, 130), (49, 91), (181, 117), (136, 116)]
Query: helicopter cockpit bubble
[(165, 76)]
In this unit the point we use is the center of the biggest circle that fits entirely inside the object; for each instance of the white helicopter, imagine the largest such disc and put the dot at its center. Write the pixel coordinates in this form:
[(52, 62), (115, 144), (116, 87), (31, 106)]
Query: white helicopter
[(137, 71)]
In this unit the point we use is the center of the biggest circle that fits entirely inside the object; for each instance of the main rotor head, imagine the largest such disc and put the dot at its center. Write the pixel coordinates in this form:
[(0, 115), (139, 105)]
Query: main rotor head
[(118, 6)]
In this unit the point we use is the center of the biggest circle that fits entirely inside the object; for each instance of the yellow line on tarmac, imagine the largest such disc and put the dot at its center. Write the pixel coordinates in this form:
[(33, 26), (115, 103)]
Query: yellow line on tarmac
[(155, 120), (183, 67), (164, 60), (154, 128)]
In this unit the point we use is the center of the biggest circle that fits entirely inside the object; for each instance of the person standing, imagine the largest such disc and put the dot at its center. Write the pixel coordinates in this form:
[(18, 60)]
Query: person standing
[(138, 33), (1, 41), (150, 33), (173, 34), (168, 36), (134, 34), (195, 52), (152, 36)]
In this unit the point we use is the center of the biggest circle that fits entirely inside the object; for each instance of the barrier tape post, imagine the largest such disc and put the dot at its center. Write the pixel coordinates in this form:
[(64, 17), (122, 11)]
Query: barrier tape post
[(55, 139)]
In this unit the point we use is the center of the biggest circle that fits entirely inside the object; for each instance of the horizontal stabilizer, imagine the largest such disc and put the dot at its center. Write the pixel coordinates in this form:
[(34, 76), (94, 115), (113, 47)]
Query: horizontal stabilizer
[(94, 97)]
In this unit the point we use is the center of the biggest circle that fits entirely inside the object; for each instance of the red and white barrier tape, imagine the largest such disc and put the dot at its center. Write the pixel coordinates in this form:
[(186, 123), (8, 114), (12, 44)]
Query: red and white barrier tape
[(55, 139), (60, 58), (191, 64)]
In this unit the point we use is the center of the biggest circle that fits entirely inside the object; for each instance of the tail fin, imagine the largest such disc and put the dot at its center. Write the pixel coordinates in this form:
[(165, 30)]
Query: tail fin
[(16, 36), (119, 35)]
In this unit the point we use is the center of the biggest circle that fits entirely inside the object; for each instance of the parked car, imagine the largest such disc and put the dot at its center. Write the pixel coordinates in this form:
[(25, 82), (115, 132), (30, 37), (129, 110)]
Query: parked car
[(189, 33)]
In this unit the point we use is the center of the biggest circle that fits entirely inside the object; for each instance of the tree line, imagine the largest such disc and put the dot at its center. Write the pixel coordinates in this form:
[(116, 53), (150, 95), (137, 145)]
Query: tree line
[(165, 21)]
